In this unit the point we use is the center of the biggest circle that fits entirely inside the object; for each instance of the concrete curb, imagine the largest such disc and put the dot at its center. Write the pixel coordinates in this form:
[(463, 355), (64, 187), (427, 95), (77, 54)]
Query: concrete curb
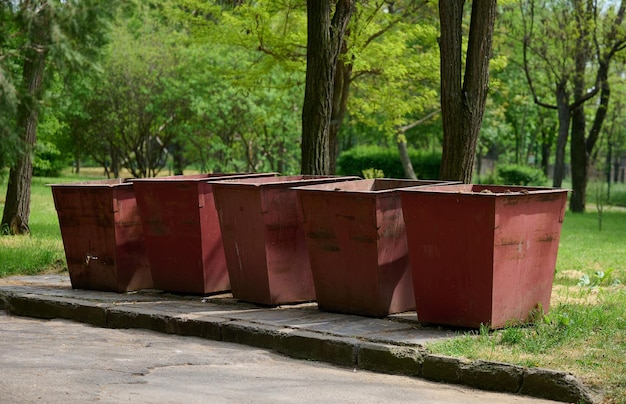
[(359, 352)]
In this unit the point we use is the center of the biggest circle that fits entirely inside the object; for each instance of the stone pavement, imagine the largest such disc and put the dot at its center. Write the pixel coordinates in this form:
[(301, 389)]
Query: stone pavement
[(389, 345)]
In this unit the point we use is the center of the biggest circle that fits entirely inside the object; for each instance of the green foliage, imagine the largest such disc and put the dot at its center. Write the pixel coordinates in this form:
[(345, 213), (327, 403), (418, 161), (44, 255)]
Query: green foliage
[(186, 91), (516, 174), (8, 98), (360, 158), (618, 195), (48, 160)]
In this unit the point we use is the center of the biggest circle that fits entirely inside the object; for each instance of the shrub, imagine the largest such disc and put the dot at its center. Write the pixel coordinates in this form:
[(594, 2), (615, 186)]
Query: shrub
[(360, 158), (516, 174), (48, 161)]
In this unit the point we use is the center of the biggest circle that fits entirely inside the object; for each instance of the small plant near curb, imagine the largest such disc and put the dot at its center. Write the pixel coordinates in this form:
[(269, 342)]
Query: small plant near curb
[(372, 173), (598, 278)]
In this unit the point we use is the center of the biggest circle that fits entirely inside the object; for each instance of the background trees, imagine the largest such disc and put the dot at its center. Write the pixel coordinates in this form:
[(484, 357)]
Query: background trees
[(221, 86), (567, 52), (39, 37)]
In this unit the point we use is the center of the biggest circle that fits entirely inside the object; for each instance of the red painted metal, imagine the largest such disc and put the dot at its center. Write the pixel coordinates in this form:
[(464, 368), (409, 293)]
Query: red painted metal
[(263, 238), (102, 235), (357, 246), (482, 254), (181, 227)]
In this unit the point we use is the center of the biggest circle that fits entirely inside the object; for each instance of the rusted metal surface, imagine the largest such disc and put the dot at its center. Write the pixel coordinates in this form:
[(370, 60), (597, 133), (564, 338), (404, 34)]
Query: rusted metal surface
[(102, 235), (357, 246), (181, 227), (482, 254), (264, 239)]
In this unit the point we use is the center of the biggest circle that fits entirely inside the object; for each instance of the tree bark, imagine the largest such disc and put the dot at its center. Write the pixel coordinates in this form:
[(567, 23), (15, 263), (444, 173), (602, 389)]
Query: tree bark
[(341, 90), (564, 114), (16, 212), (407, 166), (463, 102), (324, 42), (579, 160)]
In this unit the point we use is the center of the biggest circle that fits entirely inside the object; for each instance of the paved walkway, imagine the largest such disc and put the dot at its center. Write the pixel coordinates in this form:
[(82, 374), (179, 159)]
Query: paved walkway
[(389, 345), (62, 361)]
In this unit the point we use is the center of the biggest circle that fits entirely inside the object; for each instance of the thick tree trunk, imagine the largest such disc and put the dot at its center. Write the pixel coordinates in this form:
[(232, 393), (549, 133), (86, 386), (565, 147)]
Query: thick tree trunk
[(341, 90), (16, 212), (581, 147), (463, 103), (324, 41), (579, 161)]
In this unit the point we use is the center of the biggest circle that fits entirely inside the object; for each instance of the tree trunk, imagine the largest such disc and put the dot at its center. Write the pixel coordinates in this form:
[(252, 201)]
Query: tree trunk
[(579, 161), (546, 148), (407, 166), (463, 103), (324, 42), (17, 202), (581, 148), (341, 91), (564, 113)]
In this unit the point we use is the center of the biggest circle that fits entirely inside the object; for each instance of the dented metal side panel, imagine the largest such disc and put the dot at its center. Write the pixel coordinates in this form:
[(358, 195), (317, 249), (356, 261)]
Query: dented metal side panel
[(181, 227), (264, 238), (483, 255), (526, 240), (450, 242), (357, 245), (102, 236)]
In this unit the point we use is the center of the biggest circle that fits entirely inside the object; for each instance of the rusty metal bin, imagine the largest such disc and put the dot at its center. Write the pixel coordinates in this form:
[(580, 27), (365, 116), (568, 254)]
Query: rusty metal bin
[(357, 246), (102, 235), (182, 232), (482, 254), (264, 239)]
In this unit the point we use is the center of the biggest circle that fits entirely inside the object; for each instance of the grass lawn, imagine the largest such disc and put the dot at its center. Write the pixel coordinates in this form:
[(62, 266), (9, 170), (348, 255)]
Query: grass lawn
[(43, 250), (584, 332)]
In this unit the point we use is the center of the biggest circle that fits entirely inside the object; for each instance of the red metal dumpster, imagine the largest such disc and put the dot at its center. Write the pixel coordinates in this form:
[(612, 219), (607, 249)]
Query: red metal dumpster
[(264, 239), (102, 235), (357, 246), (482, 254), (181, 227)]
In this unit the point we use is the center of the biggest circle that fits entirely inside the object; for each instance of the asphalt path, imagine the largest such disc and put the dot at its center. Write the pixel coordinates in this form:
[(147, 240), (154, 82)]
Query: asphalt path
[(61, 361)]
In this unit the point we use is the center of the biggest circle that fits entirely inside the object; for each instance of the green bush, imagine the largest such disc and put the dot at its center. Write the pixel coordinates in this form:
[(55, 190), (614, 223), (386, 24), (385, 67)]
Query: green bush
[(356, 160), (516, 174), (48, 161)]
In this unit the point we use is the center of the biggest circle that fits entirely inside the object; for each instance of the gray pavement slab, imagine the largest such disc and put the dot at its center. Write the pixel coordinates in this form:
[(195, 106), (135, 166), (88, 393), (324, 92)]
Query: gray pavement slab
[(393, 344)]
